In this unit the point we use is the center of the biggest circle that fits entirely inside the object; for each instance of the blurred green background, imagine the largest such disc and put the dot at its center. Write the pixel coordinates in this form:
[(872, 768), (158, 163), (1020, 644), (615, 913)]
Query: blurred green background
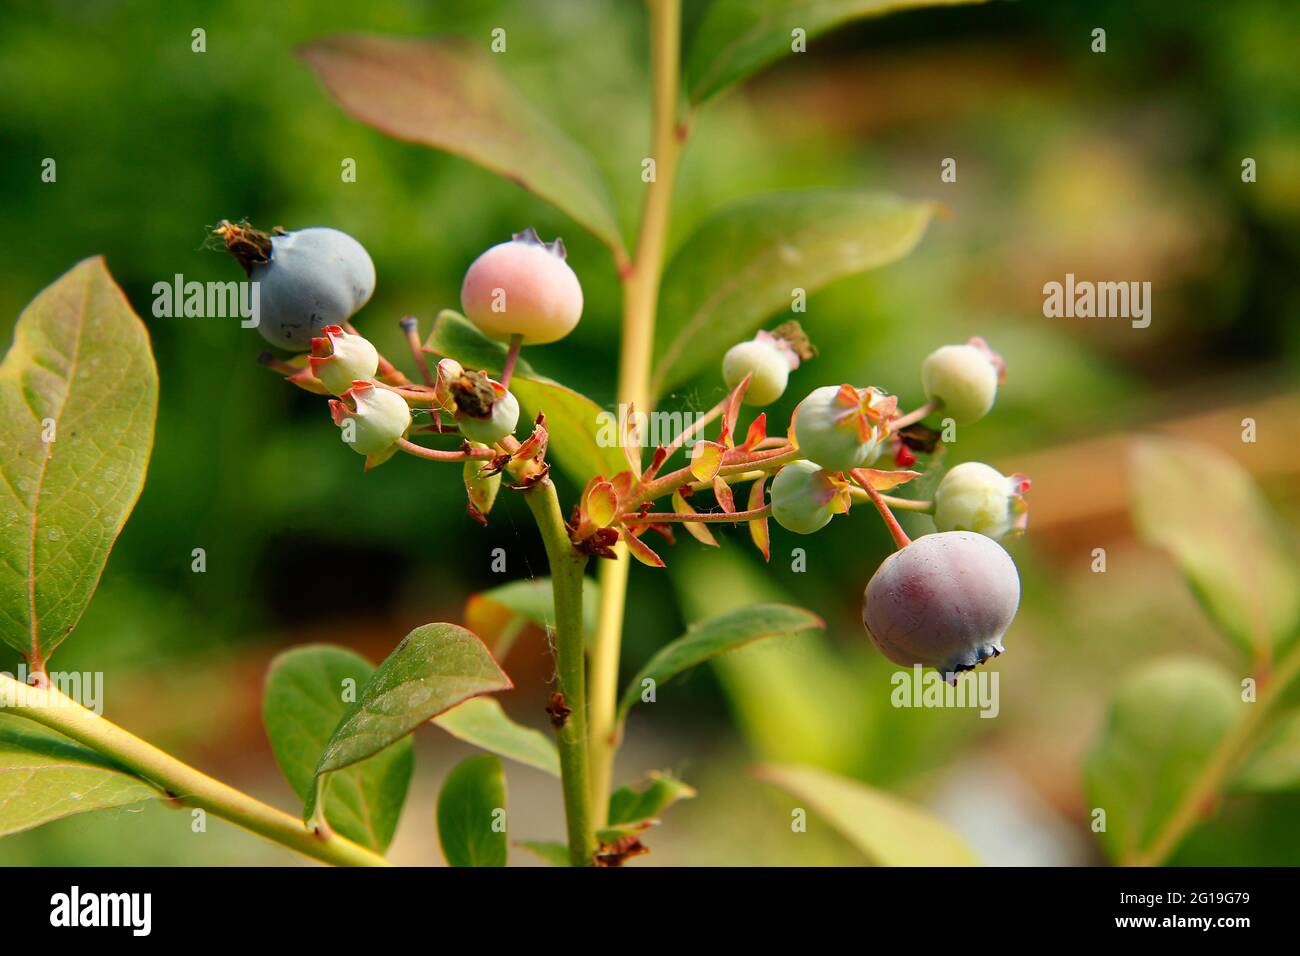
[(1123, 165)]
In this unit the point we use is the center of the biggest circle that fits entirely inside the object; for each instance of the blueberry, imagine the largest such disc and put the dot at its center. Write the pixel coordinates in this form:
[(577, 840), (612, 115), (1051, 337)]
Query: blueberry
[(943, 601), (307, 279)]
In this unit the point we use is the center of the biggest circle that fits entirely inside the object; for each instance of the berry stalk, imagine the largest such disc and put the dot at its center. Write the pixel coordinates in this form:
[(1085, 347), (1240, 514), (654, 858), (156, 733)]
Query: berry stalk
[(50, 707), (640, 301), (900, 537), (569, 702)]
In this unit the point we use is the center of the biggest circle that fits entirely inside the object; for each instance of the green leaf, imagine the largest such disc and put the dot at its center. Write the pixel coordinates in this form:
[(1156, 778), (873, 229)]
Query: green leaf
[(433, 669), (634, 805), (718, 635), (481, 721), (796, 700), (303, 703), (78, 398), (1165, 722), (472, 813), (533, 600), (582, 435), (891, 832), (45, 776), (1275, 764), (1205, 510), (556, 854), (740, 37), (449, 94), (738, 268), (455, 336)]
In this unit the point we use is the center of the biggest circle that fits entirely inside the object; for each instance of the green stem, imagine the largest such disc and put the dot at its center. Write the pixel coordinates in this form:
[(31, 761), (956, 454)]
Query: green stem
[(567, 564), (640, 301), (50, 707)]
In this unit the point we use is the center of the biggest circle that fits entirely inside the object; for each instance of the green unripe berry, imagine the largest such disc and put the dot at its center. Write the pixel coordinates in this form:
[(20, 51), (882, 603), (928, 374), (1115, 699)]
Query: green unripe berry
[(964, 378), (339, 358), (842, 427), (485, 410), (975, 497), (765, 362), (805, 497)]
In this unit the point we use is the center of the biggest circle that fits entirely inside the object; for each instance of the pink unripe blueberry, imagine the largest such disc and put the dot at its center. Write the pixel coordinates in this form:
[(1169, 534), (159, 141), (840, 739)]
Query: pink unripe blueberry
[(805, 497), (523, 287), (943, 601), (975, 497), (339, 358), (372, 418), (842, 427), (964, 378)]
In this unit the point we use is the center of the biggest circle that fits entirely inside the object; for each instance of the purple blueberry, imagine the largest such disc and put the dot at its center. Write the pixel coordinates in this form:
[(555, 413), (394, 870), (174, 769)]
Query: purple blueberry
[(943, 601)]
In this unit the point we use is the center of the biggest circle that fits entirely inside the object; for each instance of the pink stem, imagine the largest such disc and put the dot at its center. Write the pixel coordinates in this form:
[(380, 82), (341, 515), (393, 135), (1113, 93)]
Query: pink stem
[(512, 356), (433, 454), (915, 415), (410, 325), (704, 517), (900, 536)]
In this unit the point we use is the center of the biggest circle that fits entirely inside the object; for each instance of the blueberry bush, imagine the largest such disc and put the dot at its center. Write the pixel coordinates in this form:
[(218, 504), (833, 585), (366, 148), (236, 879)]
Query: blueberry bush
[(80, 393)]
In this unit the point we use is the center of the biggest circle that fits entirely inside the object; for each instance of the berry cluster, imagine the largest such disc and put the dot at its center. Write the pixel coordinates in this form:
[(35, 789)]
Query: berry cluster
[(944, 600)]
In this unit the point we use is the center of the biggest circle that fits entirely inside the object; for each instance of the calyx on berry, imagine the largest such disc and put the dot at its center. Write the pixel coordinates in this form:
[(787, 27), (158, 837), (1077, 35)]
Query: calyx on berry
[(842, 427), (485, 410), (523, 288)]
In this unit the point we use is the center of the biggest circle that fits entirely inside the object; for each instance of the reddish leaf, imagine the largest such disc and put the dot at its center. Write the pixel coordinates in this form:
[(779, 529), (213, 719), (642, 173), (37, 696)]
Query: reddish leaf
[(758, 529), (601, 504), (757, 432), (884, 480), (722, 491), (706, 459), (697, 530), (731, 412), (642, 551)]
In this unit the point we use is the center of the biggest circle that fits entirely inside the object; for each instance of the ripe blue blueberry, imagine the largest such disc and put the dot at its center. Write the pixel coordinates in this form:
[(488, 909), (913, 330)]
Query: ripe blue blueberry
[(307, 279)]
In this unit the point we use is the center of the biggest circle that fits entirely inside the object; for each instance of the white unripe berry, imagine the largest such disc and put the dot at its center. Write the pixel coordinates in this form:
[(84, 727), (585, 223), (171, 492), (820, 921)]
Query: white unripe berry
[(976, 497), (379, 417), (964, 378), (340, 358), (768, 365)]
